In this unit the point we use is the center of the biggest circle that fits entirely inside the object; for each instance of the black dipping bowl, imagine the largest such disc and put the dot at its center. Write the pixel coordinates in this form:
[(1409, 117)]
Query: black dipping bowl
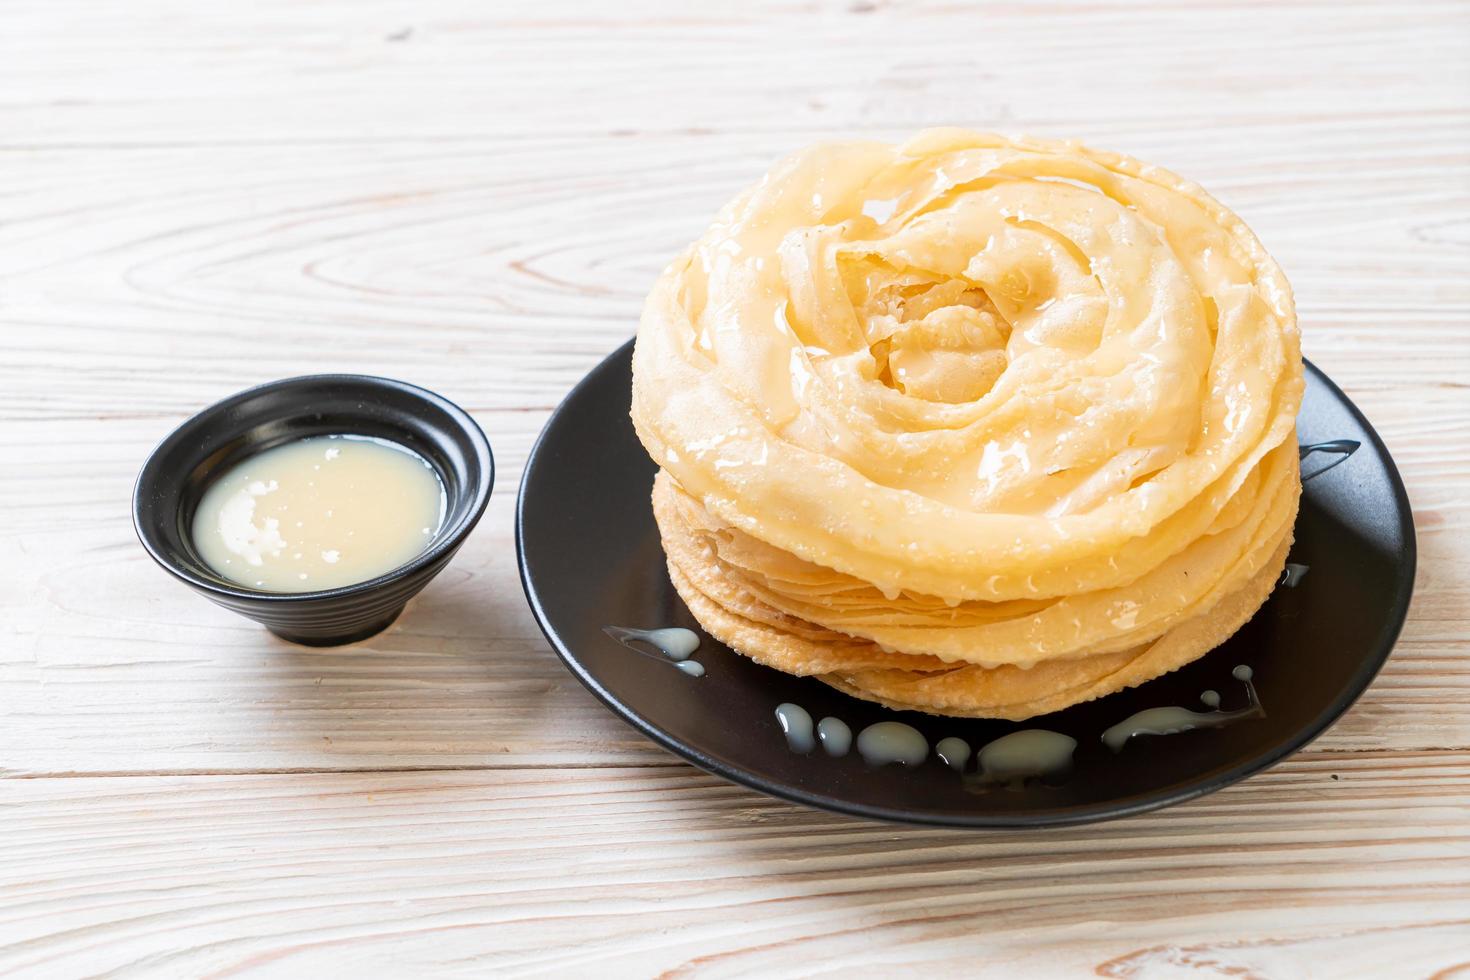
[(182, 467)]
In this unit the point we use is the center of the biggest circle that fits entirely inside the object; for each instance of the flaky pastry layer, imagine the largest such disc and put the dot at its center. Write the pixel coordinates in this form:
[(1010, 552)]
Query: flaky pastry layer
[(976, 424)]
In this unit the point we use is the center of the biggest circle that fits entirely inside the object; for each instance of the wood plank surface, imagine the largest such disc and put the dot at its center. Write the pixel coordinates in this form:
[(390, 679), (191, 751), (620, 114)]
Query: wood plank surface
[(491, 871), (195, 197)]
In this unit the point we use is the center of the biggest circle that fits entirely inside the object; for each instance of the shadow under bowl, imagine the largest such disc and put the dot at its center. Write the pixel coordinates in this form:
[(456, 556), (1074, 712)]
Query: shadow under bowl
[(178, 472)]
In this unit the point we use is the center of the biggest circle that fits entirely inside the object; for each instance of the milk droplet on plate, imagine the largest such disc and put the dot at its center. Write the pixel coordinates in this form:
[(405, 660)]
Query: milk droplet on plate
[(892, 741), (835, 736), (796, 723)]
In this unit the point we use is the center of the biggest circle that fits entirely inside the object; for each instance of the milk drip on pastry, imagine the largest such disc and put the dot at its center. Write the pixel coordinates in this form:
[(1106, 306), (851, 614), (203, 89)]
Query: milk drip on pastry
[(972, 425)]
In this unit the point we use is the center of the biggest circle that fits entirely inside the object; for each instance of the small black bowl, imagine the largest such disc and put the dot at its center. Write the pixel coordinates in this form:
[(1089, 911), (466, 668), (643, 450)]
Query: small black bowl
[(182, 467)]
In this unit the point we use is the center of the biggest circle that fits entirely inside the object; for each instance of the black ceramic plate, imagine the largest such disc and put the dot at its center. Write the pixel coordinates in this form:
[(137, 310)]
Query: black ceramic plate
[(590, 557)]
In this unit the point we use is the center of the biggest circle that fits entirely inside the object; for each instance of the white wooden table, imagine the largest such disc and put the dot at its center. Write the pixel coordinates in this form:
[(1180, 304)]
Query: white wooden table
[(195, 197)]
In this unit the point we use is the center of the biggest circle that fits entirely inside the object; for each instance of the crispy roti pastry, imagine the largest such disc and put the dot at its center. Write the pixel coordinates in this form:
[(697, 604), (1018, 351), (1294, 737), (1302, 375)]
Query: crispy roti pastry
[(973, 425)]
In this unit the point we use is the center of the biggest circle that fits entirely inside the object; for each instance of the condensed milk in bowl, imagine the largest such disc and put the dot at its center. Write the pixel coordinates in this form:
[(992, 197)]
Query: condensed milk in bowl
[(317, 506)]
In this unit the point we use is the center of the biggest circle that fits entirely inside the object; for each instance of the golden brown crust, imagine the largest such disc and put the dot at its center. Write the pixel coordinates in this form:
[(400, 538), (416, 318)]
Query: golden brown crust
[(973, 425), (907, 682)]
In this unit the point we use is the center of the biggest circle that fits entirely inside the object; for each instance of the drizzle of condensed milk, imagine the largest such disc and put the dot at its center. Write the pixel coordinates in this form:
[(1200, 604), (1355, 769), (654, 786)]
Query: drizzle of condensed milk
[(1012, 760), (1032, 753), (892, 741), (1292, 574), (953, 752), (676, 643), (796, 724), (1173, 719), (835, 736), (319, 513), (1339, 449)]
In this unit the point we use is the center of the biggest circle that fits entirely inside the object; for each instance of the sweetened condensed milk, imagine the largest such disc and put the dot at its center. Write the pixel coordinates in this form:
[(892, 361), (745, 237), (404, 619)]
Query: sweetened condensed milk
[(319, 513)]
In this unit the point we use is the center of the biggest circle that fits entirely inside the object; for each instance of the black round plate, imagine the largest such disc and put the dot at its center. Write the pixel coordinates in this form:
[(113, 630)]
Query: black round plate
[(590, 557)]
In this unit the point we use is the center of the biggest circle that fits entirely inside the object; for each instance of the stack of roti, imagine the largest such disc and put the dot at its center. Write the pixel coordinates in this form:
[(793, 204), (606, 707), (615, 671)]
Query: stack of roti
[(973, 425)]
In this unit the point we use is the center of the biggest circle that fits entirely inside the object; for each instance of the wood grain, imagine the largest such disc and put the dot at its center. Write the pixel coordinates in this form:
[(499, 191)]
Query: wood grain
[(195, 197), (534, 870)]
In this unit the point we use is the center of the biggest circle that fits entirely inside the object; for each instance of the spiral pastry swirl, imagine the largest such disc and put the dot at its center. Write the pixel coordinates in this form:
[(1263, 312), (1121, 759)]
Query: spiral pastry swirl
[(973, 425)]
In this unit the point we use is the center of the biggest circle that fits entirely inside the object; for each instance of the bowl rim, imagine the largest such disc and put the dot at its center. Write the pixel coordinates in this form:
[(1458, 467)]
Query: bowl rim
[(445, 544)]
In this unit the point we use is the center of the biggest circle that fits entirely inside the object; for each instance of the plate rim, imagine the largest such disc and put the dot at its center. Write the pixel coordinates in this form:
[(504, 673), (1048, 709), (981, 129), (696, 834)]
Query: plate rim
[(1194, 788)]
